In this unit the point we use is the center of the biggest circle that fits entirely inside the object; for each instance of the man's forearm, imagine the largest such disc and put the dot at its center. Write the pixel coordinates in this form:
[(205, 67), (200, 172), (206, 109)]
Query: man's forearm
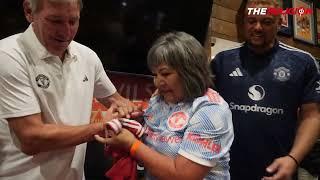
[(307, 134), (52, 137)]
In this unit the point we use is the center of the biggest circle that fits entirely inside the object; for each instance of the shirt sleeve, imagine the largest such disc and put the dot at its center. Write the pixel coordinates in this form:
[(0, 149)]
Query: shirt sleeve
[(311, 86), (103, 86), (17, 97), (209, 135)]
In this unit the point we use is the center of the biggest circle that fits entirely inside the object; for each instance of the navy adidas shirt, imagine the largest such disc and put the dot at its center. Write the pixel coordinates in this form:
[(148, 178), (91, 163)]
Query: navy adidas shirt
[(264, 94)]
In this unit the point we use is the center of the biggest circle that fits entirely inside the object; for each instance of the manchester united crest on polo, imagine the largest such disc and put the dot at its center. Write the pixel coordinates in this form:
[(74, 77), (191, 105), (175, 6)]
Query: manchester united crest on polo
[(42, 81), (282, 74), (178, 120)]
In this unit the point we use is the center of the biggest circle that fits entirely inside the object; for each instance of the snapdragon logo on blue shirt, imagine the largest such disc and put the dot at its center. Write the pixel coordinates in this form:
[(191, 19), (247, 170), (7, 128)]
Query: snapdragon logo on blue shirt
[(256, 93)]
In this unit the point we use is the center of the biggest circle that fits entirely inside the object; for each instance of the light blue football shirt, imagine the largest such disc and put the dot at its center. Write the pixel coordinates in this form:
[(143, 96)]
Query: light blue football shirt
[(201, 131)]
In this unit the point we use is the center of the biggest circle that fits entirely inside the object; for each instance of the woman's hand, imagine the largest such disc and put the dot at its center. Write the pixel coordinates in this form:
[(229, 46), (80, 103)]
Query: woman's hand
[(123, 140)]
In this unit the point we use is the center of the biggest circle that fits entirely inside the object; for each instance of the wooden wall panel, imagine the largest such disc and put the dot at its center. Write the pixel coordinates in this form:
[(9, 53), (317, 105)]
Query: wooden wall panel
[(230, 4), (223, 36), (223, 27), (224, 13)]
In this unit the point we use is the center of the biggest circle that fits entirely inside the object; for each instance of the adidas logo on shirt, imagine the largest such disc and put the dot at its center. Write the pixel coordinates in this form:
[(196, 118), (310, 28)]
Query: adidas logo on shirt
[(85, 78), (236, 73)]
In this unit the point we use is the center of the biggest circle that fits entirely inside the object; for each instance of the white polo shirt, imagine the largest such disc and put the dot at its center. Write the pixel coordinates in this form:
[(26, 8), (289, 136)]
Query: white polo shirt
[(32, 81)]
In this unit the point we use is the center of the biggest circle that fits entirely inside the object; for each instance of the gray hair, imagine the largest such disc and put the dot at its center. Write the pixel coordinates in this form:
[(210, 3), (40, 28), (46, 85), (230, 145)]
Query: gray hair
[(34, 4), (185, 54)]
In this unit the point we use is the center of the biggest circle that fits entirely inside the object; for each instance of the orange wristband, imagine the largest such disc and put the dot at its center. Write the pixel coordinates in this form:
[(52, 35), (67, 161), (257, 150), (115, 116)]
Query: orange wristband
[(134, 147)]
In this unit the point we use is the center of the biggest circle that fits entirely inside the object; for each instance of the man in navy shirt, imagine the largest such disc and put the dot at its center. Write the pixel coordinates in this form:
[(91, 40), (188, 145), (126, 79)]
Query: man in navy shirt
[(267, 84)]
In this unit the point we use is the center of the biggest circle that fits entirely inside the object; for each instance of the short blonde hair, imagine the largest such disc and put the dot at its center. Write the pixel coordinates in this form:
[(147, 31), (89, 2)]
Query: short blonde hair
[(34, 4)]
